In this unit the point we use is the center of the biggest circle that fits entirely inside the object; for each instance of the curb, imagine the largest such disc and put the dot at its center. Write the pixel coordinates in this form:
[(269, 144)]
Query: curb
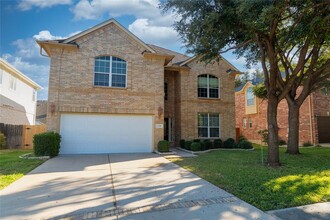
[(209, 150), (29, 157)]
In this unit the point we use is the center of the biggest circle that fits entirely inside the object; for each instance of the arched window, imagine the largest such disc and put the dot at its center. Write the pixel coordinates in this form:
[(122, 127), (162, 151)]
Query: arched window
[(208, 86), (110, 71), (249, 97)]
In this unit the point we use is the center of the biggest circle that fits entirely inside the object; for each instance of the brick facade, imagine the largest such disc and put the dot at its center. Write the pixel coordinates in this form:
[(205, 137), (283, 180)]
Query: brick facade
[(315, 105), (71, 88)]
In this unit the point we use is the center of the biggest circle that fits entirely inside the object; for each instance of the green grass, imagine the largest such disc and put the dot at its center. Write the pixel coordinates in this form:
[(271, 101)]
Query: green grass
[(12, 167), (302, 179)]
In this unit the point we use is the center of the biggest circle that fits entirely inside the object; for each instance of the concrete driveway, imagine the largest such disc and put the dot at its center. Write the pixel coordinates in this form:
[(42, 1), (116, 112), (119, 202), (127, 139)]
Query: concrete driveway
[(119, 186)]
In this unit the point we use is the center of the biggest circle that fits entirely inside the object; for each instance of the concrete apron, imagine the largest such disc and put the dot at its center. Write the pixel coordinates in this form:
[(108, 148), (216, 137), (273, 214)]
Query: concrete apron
[(131, 186)]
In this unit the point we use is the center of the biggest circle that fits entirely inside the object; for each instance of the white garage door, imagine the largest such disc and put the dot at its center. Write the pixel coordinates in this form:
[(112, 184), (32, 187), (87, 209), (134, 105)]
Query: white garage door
[(89, 134)]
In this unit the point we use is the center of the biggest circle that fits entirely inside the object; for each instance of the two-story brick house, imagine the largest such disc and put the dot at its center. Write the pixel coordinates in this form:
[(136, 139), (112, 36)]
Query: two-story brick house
[(109, 92), (251, 115)]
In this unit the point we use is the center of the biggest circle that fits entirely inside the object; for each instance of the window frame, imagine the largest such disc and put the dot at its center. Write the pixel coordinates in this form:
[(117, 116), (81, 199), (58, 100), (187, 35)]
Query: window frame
[(110, 74), (208, 86), (244, 122), (208, 126), (34, 94), (165, 91), (13, 83), (250, 122), (250, 91)]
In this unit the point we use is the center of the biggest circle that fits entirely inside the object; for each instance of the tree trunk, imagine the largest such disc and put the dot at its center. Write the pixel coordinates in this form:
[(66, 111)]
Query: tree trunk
[(273, 149), (293, 140)]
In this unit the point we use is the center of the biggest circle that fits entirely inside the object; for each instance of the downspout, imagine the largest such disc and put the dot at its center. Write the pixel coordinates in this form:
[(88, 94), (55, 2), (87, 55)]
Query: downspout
[(42, 53), (310, 118), (58, 92)]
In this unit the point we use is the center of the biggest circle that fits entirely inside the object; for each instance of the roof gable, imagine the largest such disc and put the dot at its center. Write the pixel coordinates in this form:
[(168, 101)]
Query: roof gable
[(103, 24), (12, 70), (232, 69)]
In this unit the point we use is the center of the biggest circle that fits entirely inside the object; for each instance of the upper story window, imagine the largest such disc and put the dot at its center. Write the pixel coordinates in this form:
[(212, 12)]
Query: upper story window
[(12, 84), (34, 95), (165, 90), (249, 97), (208, 86), (110, 71)]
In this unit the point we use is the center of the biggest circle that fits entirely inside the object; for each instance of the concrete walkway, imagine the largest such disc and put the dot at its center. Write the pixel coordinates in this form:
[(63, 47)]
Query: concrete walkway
[(318, 211), (119, 186)]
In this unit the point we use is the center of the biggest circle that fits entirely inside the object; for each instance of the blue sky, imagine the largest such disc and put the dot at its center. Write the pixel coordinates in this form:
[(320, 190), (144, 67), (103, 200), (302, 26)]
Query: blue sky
[(23, 21)]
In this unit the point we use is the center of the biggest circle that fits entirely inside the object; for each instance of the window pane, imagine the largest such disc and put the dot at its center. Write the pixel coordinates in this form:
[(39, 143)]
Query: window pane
[(202, 81), (249, 97), (118, 81), (101, 79), (214, 120), (202, 120), (118, 66), (202, 92), (102, 64), (214, 132), (202, 132), (214, 83), (214, 93)]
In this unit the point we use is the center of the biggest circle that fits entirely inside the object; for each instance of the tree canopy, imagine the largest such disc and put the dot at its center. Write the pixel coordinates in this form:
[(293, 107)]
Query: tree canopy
[(293, 34)]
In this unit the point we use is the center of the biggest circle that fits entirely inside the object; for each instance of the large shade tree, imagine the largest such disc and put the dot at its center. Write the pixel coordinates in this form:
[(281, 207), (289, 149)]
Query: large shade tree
[(274, 33)]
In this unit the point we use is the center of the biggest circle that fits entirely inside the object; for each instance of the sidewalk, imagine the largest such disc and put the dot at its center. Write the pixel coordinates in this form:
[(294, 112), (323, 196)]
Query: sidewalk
[(318, 211)]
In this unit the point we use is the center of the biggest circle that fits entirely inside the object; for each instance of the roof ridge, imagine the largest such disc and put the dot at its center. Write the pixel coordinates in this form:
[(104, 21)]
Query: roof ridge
[(172, 51)]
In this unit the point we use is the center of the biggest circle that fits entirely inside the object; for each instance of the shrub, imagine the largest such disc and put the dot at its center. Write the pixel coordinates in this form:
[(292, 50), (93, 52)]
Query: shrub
[(196, 146), (46, 144), (244, 144), (182, 143), (264, 135), (187, 145), (163, 146), (207, 144), (282, 142), (196, 140), (241, 138), (229, 143), (217, 143), (307, 144), (2, 141)]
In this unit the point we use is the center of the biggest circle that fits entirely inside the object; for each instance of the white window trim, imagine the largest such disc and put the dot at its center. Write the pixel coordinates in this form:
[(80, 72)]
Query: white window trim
[(247, 99), (13, 83), (209, 127), (110, 74), (244, 122), (208, 87)]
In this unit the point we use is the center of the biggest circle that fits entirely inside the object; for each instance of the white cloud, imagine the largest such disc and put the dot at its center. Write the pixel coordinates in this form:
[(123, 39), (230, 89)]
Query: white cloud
[(25, 5), (46, 35), (159, 35), (150, 24), (28, 60), (95, 9)]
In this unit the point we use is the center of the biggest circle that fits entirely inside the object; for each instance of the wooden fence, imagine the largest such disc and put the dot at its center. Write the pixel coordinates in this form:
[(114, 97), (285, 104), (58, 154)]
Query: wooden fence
[(20, 136)]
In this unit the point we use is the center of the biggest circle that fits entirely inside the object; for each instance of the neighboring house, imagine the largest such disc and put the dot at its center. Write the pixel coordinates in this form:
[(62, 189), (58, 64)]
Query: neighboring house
[(251, 116), (41, 116), (18, 95), (111, 92)]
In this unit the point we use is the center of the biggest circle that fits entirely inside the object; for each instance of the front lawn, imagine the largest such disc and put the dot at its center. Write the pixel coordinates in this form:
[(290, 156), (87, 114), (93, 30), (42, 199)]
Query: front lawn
[(12, 167), (301, 180)]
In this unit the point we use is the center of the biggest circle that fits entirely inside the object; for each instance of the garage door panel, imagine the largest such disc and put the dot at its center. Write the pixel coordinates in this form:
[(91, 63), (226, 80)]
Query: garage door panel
[(84, 133)]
